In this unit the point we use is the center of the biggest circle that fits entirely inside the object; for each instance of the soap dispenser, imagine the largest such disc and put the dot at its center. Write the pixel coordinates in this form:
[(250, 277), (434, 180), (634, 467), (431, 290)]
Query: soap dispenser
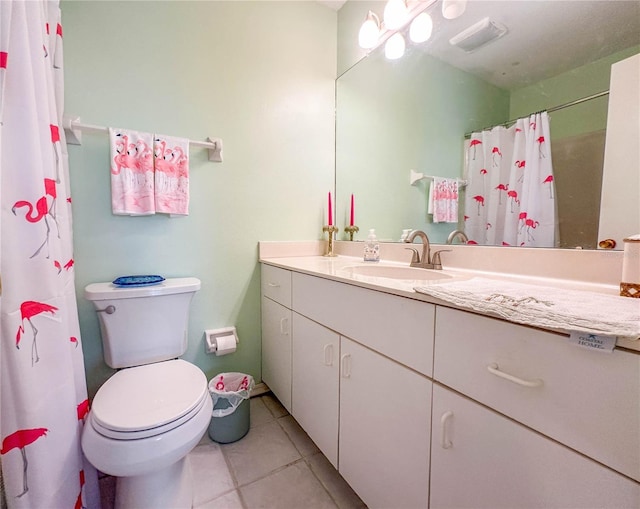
[(372, 248)]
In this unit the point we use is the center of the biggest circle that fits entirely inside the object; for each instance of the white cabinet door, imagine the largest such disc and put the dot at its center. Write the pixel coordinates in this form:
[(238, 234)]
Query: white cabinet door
[(481, 459), (315, 383), (276, 350), (384, 429)]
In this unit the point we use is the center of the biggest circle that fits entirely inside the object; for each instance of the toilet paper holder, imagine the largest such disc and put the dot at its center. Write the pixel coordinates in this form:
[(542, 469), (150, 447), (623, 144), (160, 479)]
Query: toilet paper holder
[(223, 335)]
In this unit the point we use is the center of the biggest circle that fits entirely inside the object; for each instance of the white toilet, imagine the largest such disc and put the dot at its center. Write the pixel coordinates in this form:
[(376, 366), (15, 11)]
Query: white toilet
[(146, 418)]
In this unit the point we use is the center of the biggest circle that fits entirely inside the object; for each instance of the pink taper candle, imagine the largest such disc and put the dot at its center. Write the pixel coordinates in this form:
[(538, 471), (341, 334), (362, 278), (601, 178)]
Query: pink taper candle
[(330, 212), (351, 220)]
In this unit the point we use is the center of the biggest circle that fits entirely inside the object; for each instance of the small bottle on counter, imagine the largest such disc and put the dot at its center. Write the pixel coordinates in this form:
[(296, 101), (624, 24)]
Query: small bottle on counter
[(372, 248), (405, 234)]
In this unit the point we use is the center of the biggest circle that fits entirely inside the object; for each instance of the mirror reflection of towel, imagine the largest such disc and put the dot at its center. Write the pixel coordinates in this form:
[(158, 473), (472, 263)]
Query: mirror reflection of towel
[(443, 200)]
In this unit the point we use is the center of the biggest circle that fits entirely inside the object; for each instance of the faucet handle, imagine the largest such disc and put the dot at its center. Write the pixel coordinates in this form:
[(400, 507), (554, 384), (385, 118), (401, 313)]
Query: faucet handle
[(435, 259), (415, 258)]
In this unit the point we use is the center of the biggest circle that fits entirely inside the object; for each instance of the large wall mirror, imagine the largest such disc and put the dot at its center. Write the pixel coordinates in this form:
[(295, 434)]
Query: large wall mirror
[(394, 116)]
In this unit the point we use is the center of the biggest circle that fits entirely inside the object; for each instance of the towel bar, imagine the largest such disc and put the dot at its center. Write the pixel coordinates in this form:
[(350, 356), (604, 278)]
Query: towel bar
[(73, 128)]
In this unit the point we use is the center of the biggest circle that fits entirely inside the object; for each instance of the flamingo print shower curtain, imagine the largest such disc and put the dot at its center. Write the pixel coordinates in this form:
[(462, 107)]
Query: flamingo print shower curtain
[(510, 198), (43, 393)]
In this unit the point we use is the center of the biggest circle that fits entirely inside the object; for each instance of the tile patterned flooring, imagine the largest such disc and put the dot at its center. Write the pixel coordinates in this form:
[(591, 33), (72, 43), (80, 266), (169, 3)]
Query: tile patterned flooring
[(275, 466)]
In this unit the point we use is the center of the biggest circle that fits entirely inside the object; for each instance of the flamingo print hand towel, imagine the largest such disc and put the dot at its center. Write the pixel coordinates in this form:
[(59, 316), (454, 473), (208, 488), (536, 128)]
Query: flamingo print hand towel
[(132, 179), (444, 200), (172, 175)]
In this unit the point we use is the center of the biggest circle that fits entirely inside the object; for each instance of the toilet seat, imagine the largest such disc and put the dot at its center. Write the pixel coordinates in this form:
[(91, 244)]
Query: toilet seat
[(149, 400)]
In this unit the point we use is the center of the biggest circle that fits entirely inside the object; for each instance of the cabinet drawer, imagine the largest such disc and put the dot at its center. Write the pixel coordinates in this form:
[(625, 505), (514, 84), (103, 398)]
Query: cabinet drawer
[(276, 284), (397, 327), (587, 400)]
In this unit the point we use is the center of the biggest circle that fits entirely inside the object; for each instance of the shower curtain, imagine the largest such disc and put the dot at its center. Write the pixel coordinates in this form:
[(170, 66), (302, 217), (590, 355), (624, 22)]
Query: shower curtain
[(510, 198), (43, 393)]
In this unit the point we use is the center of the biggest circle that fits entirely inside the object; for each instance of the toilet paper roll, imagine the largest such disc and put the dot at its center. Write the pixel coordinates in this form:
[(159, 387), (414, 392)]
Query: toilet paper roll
[(225, 344)]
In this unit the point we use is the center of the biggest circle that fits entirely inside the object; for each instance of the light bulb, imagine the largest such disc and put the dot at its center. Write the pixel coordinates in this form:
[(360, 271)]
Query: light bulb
[(421, 27), (394, 47), (395, 14), (451, 9), (369, 32)]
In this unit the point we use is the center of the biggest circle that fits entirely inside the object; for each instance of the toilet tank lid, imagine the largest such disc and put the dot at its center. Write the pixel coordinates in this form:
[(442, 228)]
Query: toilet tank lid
[(109, 291)]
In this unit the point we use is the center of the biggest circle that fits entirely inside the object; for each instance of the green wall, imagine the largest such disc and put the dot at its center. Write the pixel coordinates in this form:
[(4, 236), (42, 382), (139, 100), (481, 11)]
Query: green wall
[(259, 75), (580, 82), (394, 116)]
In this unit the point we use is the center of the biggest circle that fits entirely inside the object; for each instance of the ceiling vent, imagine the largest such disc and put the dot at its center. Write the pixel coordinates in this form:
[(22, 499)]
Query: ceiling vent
[(483, 32)]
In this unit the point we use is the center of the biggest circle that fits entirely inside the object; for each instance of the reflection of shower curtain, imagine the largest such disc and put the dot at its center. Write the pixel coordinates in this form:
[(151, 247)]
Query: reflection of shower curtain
[(510, 196), (42, 382)]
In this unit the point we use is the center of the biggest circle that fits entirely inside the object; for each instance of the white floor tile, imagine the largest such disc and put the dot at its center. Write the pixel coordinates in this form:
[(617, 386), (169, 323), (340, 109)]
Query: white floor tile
[(228, 501), (264, 449), (259, 413), (297, 435), (274, 405), (341, 492), (211, 476), (294, 487)]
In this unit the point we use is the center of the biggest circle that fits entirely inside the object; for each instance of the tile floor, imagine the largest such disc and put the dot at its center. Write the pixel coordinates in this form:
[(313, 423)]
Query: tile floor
[(275, 466)]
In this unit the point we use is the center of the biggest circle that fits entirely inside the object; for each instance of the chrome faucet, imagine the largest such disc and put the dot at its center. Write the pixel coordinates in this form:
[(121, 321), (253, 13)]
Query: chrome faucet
[(424, 261), (457, 233)]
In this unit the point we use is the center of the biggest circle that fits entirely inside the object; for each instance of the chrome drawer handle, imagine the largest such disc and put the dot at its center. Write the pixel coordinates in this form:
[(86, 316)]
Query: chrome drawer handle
[(493, 369), (273, 285)]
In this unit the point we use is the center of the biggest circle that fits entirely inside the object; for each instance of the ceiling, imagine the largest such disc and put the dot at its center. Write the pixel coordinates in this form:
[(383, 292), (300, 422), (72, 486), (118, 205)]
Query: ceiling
[(333, 4), (544, 38)]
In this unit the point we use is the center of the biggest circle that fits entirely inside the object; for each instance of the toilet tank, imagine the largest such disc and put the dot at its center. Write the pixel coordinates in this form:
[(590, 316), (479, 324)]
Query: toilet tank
[(142, 325)]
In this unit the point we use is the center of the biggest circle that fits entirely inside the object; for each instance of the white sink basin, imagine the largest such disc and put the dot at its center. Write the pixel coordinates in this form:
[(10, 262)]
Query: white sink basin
[(393, 272)]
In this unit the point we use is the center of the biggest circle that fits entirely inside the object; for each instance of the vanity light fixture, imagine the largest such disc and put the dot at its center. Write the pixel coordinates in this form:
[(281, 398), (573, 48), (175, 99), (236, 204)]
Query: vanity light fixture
[(369, 31), (395, 14), (452, 9), (421, 28), (394, 47), (399, 16)]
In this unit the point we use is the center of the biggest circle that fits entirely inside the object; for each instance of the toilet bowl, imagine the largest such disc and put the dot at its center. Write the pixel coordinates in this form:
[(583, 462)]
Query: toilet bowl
[(143, 422)]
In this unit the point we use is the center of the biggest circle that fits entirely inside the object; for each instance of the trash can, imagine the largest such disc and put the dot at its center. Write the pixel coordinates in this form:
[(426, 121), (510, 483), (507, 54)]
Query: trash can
[(230, 417)]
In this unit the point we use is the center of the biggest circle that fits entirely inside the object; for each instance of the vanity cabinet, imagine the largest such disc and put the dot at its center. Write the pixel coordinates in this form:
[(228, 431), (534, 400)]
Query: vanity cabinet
[(481, 459), (276, 332), (424, 406), (574, 395)]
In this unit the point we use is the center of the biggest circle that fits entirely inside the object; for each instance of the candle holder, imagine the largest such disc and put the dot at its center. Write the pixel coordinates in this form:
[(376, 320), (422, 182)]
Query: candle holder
[(331, 230), (351, 230)]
